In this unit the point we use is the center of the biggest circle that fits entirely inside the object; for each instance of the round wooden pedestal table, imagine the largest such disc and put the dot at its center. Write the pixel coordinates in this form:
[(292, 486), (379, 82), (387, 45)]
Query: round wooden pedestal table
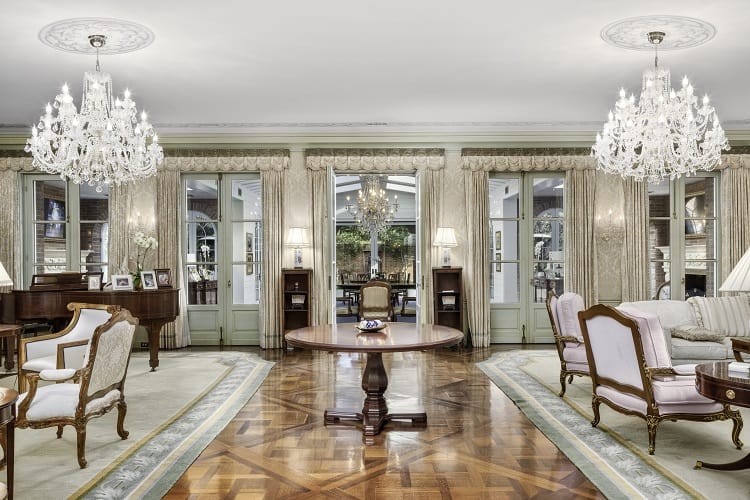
[(396, 337), (715, 381)]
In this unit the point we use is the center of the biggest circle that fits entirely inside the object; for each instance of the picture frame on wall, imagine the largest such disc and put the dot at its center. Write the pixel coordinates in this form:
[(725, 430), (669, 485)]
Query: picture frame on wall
[(148, 279), (122, 282), (163, 278)]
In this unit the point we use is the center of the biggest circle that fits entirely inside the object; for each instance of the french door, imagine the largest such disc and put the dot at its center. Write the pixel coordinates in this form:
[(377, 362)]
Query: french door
[(526, 254), (222, 243)]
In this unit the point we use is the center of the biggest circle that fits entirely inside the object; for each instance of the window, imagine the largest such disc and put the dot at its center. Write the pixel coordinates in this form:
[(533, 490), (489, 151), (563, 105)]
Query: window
[(683, 240), (69, 228)]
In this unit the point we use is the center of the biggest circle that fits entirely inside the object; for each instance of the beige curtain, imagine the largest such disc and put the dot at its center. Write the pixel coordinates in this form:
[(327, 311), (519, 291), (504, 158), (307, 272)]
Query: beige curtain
[(580, 242), (168, 255), (10, 227), (321, 246), (635, 261), (478, 260), (121, 246), (271, 329), (432, 186), (735, 213)]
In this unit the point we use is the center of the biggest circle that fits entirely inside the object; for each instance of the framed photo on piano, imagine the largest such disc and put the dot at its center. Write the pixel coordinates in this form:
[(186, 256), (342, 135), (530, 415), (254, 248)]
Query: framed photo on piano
[(122, 282)]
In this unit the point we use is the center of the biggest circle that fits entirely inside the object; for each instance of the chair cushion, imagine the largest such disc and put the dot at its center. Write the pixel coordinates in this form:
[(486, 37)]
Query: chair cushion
[(699, 405), (575, 353), (39, 364), (60, 400), (652, 337), (568, 306), (727, 315), (696, 333)]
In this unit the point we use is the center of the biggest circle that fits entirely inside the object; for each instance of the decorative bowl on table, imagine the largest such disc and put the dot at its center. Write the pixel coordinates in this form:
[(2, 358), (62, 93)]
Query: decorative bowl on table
[(371, 325)]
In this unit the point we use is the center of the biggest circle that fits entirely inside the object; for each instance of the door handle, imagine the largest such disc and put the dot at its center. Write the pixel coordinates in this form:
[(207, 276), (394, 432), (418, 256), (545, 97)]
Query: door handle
[(229, 284)]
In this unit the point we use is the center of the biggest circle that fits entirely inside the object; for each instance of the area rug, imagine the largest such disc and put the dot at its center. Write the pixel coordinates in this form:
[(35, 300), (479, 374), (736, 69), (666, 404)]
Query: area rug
[(173, 414), (614, 455)]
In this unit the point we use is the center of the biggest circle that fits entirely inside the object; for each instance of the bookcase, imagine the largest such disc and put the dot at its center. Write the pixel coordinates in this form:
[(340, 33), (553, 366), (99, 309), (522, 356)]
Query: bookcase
[(296, 290), (448, 297)]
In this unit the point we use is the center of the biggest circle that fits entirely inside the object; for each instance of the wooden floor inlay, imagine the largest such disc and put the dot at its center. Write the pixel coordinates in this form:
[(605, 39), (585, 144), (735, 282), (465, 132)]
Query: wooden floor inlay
[(476, 444)]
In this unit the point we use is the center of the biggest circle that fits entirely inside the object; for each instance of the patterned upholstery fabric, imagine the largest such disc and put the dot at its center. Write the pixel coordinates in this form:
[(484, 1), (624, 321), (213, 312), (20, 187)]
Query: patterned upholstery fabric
[(727, 315)]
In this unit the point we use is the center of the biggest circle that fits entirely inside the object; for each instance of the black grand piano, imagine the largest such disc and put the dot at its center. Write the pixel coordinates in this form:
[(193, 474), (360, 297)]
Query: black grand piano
[(49, 294)]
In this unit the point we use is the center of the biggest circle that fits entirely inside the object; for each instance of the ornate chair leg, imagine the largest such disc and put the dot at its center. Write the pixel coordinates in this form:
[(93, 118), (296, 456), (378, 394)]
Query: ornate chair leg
[(81, 442), (570, 378), (562, 384), (59, 431), (652, 423), (595, 406), (122, 409)]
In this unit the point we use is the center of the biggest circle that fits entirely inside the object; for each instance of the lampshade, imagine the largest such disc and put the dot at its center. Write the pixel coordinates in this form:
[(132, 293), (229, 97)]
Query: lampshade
[(296, 237), (445, 238), (4, 277), (739, 279)]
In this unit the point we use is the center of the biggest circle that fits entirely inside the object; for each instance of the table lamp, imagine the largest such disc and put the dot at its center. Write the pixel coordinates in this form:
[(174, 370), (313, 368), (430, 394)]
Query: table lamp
[(4, 277), (739, 279), (296, 239), (445, 238)]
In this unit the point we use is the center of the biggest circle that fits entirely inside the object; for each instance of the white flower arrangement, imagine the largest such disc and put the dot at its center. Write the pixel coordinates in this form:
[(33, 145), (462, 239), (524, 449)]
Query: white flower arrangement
[(144, 244)]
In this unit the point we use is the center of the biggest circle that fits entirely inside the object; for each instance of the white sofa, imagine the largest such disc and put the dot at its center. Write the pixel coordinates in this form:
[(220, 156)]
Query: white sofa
[(729, 316)]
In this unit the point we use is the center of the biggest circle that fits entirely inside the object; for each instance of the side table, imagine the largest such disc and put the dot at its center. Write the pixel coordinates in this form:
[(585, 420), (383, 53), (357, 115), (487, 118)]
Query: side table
[(10, 336), (715, 381), (8, 399)]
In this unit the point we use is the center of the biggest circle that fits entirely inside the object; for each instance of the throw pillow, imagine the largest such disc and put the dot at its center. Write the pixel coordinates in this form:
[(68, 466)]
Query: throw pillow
[(696, 333)]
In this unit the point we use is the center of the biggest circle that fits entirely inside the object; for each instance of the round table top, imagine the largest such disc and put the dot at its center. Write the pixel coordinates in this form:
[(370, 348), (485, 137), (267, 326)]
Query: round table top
[(719, 371), (714, 380), (7, 396), (396, 337)]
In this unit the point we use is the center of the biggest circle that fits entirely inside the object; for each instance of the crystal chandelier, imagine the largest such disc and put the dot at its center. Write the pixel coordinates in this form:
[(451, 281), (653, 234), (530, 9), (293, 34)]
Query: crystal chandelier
[(373, 210), (102, 144), (665, 135)]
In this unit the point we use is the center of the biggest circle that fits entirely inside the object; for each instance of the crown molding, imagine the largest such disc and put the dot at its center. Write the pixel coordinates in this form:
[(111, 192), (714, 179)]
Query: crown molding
[(363, 137)]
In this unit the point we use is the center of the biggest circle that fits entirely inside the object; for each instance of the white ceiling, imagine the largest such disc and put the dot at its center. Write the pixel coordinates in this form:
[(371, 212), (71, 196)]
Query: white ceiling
[(239, 66)]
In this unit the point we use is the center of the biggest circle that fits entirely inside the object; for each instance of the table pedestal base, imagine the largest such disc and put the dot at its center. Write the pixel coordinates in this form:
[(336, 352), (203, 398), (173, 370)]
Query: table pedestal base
[(742, 463), (374, 414)]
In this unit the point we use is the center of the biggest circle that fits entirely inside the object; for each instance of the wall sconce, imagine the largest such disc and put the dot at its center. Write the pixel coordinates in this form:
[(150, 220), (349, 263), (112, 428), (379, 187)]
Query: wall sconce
[(296, 239), (445, 238), (4, 277), (609, 227)]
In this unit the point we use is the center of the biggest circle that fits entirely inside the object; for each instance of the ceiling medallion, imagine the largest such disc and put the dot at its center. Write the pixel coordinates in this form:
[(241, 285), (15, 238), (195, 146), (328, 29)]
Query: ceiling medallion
[(680, 32), (72, 35)]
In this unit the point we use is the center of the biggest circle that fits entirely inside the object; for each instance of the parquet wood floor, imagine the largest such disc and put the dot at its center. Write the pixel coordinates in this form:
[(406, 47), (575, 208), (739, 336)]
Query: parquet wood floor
[(476, 444)]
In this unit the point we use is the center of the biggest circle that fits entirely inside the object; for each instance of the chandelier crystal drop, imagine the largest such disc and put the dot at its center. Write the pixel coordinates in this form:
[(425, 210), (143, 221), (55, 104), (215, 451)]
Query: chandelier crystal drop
[(373, 210), (666, 134), (103, 144)]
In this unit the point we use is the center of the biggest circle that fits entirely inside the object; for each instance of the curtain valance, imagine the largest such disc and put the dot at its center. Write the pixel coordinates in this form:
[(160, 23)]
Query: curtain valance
[(381, 160), (226, 160), (532, 160)]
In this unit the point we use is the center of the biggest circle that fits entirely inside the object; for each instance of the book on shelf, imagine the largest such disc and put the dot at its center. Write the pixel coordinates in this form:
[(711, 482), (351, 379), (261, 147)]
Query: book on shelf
[(739, 366)]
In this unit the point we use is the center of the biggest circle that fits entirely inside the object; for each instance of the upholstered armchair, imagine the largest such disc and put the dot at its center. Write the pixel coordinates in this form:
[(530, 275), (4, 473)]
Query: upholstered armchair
[(375, 301), (563, 316), (63, 349), (82, 394), (631, 373)]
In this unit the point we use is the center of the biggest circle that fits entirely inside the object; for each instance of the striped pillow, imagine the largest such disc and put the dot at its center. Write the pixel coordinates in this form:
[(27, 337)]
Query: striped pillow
[(727, 315)]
